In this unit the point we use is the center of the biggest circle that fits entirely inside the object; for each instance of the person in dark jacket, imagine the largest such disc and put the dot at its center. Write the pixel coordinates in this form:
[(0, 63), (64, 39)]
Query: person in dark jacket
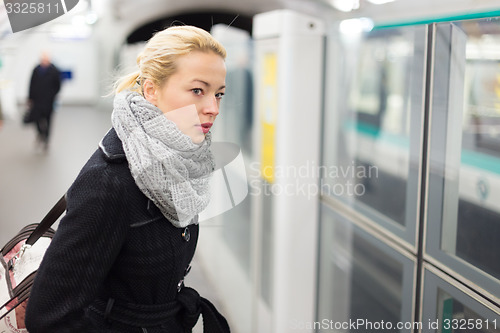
[(120, 254), (45, 83)]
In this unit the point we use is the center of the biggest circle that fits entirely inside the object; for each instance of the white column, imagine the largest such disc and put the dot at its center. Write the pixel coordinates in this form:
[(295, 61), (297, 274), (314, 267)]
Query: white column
[(289, 52)]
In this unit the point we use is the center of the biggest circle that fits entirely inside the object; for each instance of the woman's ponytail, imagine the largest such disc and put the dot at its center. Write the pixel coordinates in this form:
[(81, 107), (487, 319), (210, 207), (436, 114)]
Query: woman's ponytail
[(128, 82)]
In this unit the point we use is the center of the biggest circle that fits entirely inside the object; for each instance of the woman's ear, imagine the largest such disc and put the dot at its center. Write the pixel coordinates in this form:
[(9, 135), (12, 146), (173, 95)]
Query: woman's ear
[(149, 91)]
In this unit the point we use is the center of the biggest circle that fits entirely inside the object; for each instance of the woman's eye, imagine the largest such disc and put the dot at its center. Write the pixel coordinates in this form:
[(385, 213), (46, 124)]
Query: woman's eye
[(197, 91), (219, 95)]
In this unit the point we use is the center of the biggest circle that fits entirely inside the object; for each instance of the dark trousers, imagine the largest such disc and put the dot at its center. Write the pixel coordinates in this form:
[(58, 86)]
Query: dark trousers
[(43, 127)]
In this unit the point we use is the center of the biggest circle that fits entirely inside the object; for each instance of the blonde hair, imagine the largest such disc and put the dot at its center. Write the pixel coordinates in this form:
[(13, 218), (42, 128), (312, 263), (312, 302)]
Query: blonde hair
[(157, 61)]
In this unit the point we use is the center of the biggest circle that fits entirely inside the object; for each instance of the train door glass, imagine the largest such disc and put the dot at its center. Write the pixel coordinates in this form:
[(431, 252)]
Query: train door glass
[(373, 131), (450, 307), (364, 284), (463, 216)]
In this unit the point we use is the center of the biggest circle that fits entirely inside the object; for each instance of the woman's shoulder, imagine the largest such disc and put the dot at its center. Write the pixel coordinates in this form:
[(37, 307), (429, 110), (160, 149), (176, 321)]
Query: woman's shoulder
[(109, 156), (106, 169), (107, 174), (112, 148)]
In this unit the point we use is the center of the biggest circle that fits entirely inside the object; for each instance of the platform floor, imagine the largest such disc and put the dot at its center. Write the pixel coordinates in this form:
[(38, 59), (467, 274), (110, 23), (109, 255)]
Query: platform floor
[(32, 180)]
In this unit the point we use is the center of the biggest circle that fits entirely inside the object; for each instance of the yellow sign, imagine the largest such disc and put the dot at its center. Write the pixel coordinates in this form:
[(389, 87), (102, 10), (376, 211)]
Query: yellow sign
[(269, 109)]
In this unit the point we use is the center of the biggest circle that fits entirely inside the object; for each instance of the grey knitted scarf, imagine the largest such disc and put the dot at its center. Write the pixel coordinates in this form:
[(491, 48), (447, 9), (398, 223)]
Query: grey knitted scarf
[(166, 165)]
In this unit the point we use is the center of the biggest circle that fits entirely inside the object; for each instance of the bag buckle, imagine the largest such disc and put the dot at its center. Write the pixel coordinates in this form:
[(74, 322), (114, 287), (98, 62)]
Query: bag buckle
[(18, 256)]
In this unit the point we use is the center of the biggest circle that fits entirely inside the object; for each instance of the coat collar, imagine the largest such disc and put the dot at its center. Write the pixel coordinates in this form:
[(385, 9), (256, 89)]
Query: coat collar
[(112, 147)]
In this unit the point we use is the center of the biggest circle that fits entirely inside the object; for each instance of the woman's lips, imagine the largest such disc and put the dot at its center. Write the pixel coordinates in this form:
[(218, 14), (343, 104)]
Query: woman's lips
[(205, 127)]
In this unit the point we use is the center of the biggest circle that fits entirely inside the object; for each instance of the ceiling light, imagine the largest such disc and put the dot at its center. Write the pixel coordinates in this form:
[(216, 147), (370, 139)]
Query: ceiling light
[(356, 26), (379, 2), (344, 5)]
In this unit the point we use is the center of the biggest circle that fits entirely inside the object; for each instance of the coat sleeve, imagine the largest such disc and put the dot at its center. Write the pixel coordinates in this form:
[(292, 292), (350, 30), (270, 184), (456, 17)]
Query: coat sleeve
[(31, 93), (57, 80), (87, 241)]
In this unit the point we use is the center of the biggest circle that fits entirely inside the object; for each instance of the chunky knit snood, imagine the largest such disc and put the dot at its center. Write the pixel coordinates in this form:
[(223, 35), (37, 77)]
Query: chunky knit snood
[(167, 166)]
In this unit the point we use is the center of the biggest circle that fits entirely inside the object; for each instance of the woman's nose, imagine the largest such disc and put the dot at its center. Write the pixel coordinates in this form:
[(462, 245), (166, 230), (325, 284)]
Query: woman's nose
[(211, 106)]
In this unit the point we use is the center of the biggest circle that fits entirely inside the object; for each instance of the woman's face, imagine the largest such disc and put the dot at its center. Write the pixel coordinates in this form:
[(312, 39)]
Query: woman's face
[(191, 96)]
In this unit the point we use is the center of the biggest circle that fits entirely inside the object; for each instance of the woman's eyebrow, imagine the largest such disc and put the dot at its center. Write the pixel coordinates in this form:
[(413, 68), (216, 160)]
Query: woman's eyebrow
[(207, 84), (201, 81)]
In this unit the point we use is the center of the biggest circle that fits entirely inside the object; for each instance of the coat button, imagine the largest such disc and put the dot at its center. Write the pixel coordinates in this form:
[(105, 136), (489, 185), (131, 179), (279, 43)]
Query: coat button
[(186, 234), (180, 285)]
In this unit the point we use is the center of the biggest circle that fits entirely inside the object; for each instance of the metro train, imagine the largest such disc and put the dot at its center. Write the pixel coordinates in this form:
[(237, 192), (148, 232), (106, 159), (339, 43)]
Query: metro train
[(367, 93), (381, 127), (380, 103)]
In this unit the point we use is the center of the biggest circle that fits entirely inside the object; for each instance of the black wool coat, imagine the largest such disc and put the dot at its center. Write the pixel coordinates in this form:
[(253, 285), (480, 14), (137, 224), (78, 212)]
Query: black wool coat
[(113, 243), (45, 83)]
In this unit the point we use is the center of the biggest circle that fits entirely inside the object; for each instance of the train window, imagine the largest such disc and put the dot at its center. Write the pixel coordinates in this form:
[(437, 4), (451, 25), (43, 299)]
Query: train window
[(464, 159), (450, 307), (361, 280), (372, 137)]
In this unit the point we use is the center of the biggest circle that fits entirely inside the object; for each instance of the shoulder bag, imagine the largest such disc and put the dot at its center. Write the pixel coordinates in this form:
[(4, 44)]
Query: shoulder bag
[(20, 259)]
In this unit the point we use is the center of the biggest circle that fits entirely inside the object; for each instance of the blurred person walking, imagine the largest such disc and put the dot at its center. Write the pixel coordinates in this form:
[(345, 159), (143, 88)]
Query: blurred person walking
[(44, 85)]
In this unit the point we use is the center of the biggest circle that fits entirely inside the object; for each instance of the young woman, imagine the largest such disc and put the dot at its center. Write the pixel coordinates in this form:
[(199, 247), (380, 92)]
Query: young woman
[(120, 254)]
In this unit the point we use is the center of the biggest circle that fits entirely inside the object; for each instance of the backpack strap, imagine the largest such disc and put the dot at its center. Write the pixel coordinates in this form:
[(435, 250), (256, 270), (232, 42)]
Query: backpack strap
[(48, 220)]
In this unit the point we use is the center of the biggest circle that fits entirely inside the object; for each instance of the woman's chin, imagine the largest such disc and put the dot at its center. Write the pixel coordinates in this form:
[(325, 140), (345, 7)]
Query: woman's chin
[(198, 138)]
